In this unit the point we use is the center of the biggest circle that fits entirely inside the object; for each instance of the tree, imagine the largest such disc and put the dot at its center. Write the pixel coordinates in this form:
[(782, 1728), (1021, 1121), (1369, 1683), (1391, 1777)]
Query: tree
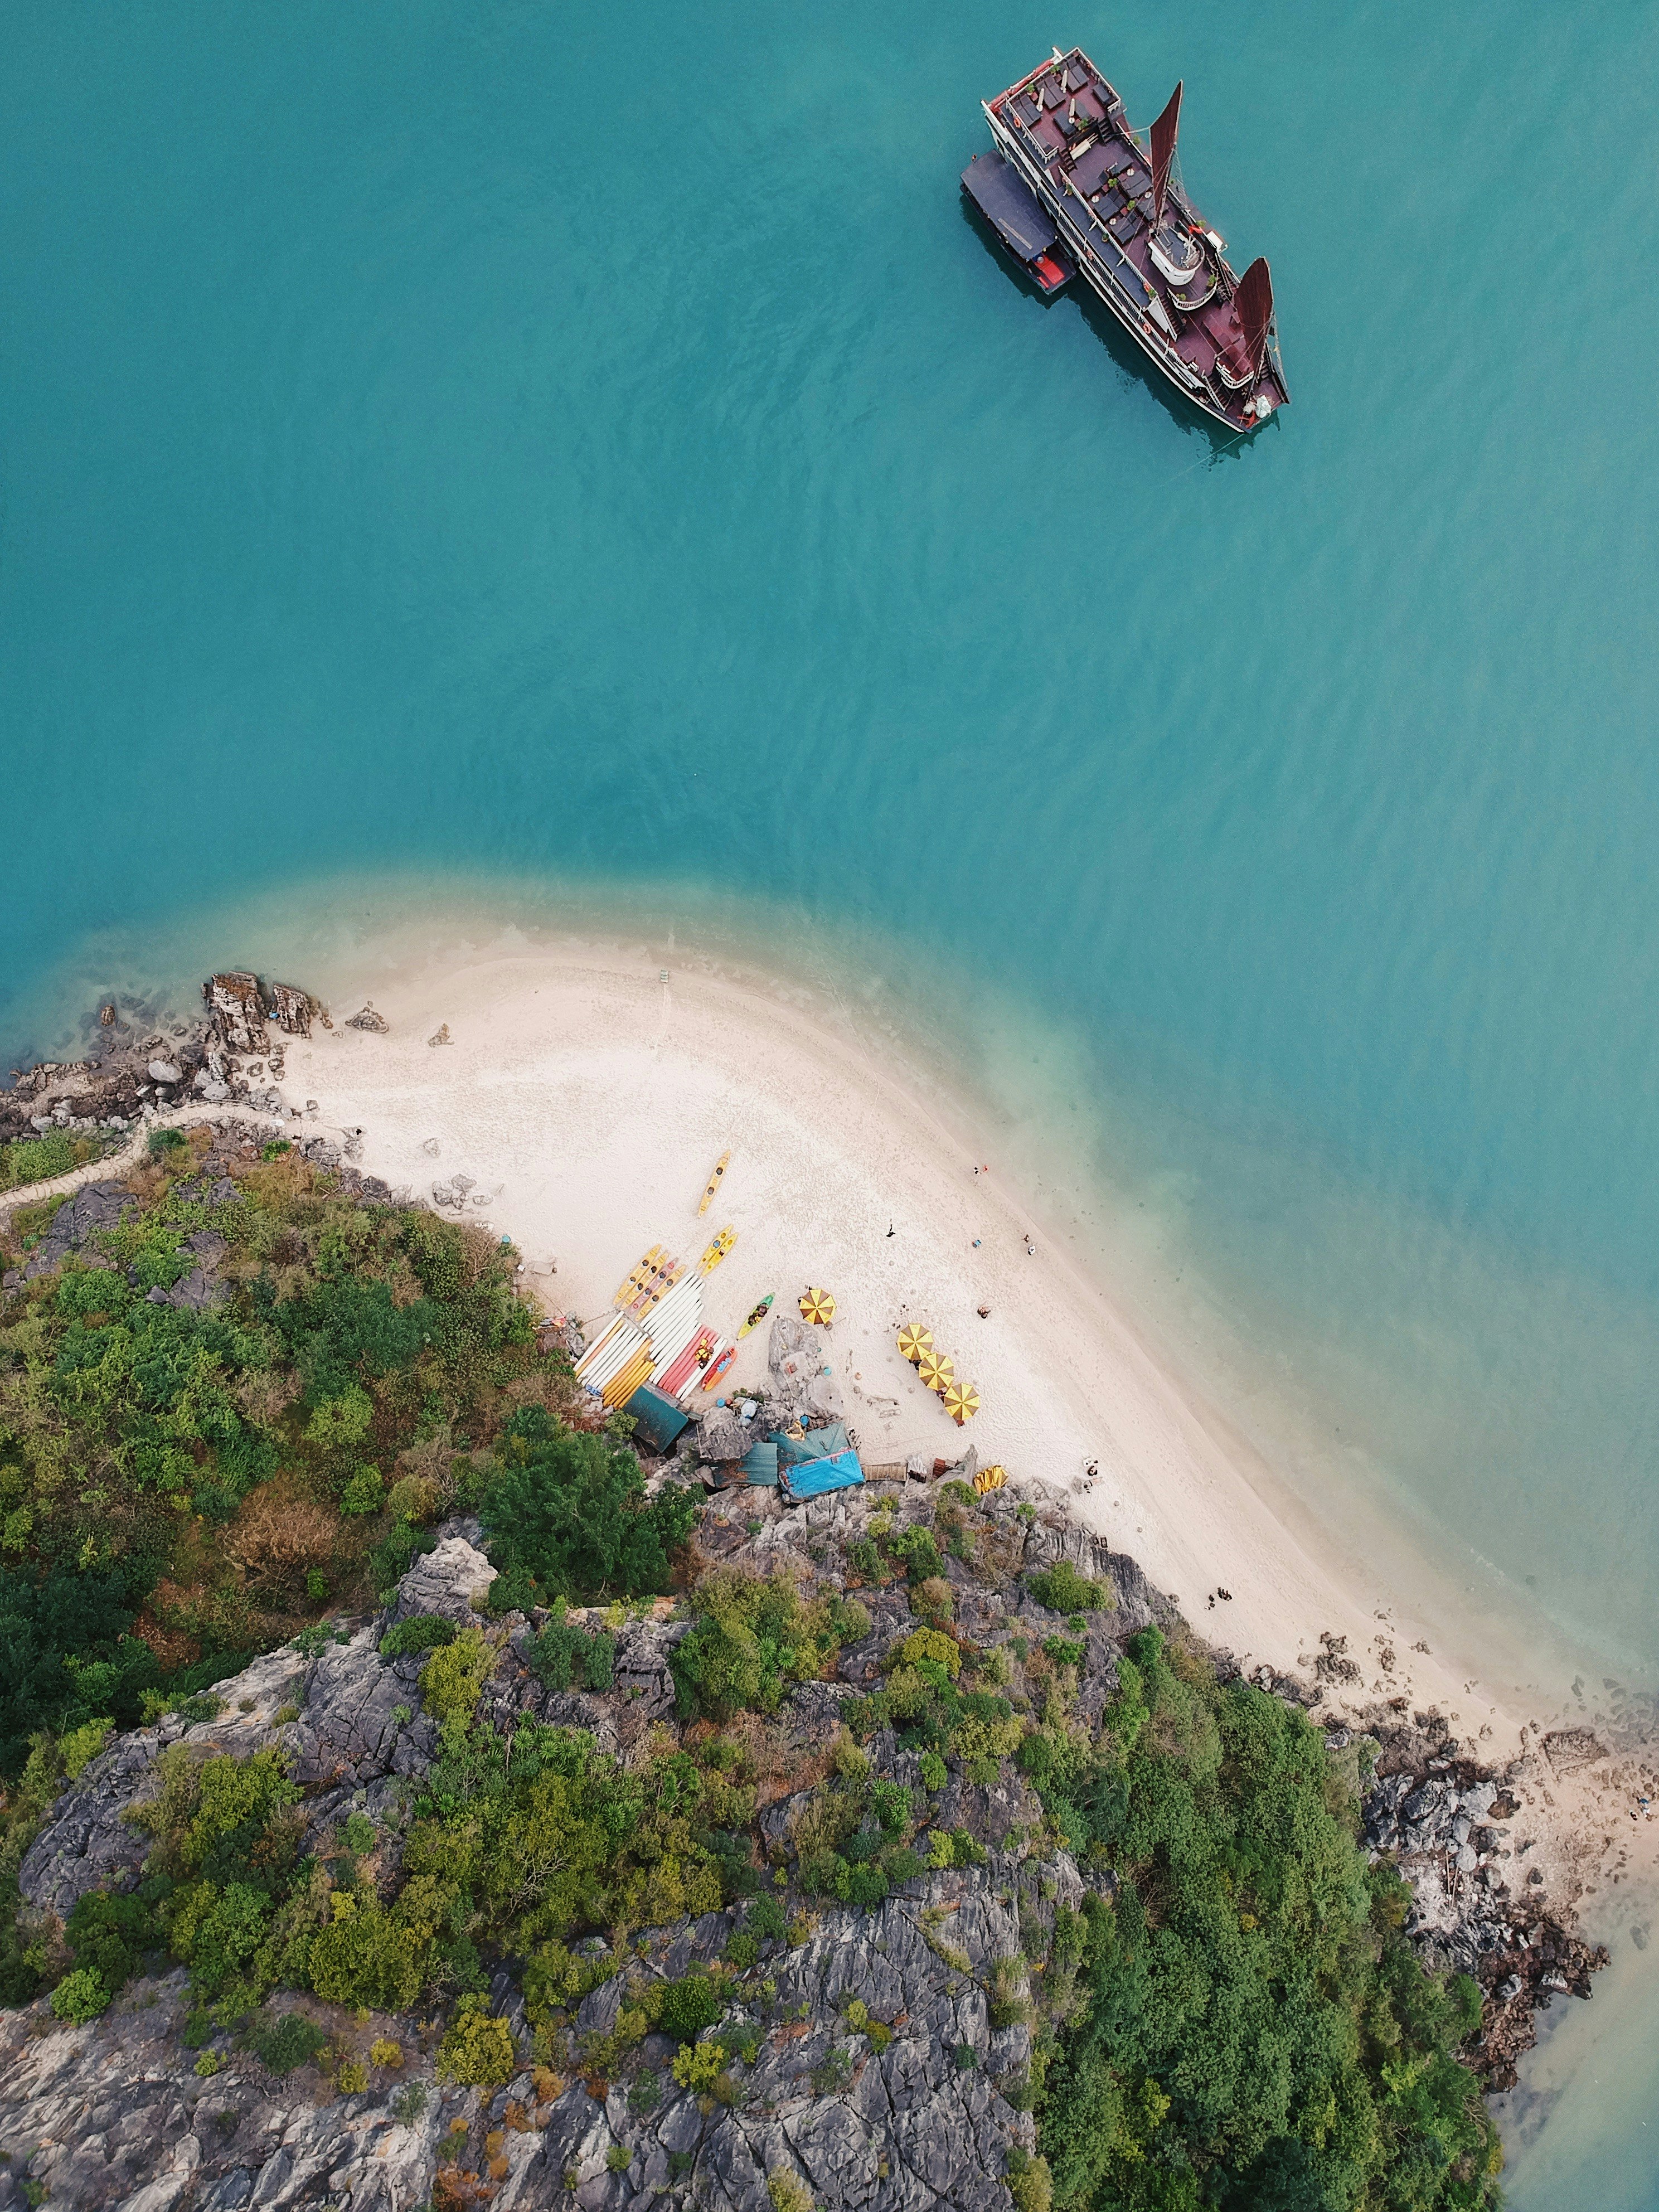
[(567, 1511)]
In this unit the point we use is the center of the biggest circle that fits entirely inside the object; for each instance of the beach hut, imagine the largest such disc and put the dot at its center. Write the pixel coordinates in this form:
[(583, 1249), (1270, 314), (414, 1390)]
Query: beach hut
[(657, 1419), (759, 1466), (816, 1443), (815, 1477)]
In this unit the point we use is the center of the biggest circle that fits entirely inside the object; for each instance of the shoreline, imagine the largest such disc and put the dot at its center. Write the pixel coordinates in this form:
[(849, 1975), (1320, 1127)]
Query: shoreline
[(570, 1045), (587, 1092)]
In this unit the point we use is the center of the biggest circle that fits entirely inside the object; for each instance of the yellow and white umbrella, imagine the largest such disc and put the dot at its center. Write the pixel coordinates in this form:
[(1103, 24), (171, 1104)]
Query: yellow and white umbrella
[(818, 1306), (962, 1402), (929, 1366), (944, 1374), (914, 1339)]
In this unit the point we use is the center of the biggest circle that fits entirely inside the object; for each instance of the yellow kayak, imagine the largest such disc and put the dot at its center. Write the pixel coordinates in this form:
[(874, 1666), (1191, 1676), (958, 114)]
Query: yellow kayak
[(713, 1183), (714, 1253)]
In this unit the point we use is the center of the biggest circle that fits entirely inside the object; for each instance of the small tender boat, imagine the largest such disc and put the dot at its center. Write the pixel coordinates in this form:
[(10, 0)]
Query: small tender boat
[(1071, 184), (1027, 235)]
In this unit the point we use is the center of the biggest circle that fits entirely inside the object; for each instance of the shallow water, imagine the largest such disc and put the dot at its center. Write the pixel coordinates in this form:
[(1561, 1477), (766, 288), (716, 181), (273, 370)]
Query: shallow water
[(444, 447)]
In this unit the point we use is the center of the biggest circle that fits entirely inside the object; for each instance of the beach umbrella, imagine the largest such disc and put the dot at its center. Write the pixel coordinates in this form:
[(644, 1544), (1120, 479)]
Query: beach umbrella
[(962, 1402), (928, 1367), (818, 1306), (944, 1374), (914, 1339)]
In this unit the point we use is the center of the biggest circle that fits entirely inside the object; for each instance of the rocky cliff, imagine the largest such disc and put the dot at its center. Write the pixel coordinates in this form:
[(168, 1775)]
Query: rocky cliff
[(876, 2056)]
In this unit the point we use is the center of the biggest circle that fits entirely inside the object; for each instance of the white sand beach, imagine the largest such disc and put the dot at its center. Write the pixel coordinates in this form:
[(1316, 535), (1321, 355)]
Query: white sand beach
[(588, 1093)]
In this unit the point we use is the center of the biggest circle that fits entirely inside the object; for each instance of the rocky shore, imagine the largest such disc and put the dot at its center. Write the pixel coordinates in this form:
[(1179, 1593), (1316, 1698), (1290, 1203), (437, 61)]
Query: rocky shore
[(136, 1071)]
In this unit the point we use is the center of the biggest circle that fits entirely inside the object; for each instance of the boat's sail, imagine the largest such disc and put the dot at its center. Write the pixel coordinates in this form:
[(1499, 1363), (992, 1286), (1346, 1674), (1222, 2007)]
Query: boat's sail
[(1164, 146), (1254, 308)]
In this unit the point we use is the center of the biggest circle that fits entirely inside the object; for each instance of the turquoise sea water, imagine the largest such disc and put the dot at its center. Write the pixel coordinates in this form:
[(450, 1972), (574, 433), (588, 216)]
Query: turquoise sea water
[(505, 452)]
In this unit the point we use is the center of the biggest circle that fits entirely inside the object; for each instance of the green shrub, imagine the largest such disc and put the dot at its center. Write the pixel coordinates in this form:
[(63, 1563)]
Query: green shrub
[(395, 1553), (365, 1957), (567, 1513), (80, 1997), (359, 1834), (788, 2191), (453, 1679), (477, 2051), (285, 2041), (564, 1654), (35, 1160), (363, 1491), (1032, 2187), (422, 1632), (865, 1886), (82, 1744), (934, 1772), (916, 1548), (408, 2103), (689, 2006), (699, 2066), (765, 1918), (751, 1639), (1061, 1589), (931, 1646)]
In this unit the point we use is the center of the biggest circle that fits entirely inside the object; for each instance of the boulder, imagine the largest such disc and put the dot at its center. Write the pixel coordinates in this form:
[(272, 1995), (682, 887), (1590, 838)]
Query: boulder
[(444, 1580), (721, 1436), (292, 1008), (236, 1011)]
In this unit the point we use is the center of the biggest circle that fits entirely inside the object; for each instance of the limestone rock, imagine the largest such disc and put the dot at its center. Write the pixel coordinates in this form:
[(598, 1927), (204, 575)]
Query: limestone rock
[(443, 1582), (721, 1436), (368, 1019), (95, 1206), (236, 1011), (292, 1009)]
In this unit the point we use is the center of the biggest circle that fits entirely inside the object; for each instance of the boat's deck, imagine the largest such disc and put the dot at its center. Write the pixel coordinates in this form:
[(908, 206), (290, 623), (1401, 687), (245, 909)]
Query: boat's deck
[(1108, 186)]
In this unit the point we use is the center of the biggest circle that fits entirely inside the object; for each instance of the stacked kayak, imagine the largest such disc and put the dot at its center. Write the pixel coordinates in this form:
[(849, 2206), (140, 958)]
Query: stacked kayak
[(657, 1336)]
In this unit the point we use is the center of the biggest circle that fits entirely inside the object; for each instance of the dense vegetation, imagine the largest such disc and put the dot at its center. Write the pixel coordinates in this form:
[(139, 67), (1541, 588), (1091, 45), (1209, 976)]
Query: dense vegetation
[(178, 1488), (1252, 2030), (25, 1160), (181, 1488), (1233, 2020)]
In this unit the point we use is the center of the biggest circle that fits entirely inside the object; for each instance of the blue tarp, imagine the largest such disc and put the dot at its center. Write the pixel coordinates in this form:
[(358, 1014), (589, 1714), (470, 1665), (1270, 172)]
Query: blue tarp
[(817, 1444), (657, 1419), (760, 1467), (812, 1478)]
